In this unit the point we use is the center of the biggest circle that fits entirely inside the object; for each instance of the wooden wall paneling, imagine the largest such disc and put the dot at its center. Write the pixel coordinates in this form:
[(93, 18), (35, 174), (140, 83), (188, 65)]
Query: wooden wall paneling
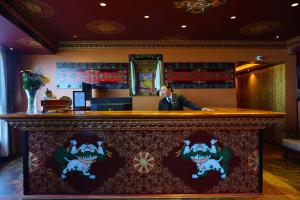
[(264, 89)]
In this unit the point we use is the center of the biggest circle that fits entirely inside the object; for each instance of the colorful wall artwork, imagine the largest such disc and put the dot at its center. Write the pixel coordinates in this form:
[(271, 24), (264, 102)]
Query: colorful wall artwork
[(145, 77), (200, 75), (145, 74), (100, 75)]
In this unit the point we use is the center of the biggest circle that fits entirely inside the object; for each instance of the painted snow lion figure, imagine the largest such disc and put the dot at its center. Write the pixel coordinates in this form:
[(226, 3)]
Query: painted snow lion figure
[(207, 158), (79, 159)]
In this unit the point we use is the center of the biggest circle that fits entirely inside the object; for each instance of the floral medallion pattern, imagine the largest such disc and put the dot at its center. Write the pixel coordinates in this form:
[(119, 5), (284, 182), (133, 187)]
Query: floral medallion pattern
[(259, 28), (143, 162), (105, 27), (38, 8), (198, 6)]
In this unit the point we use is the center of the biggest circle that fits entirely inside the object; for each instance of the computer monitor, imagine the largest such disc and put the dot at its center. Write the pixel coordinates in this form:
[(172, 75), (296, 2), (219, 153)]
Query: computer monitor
[(87, 88), (79, 100)]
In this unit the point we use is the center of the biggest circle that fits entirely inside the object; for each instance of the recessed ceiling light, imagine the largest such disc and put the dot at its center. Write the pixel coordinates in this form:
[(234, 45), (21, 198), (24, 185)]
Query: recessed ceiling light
[(233, 17), (102, 4), (295, 4), (11, 48), (277, 37), (146, 17), (183, 26)]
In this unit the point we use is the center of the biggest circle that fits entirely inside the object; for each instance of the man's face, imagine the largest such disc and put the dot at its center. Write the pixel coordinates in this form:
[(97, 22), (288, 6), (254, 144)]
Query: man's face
[(165, 92)]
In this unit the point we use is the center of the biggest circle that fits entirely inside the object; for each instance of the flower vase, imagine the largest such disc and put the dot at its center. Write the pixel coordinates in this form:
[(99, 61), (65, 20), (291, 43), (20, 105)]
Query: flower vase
[(31, 101)]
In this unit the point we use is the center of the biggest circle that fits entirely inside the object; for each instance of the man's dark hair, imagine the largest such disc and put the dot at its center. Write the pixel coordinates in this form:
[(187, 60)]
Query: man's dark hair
[(168, 86)]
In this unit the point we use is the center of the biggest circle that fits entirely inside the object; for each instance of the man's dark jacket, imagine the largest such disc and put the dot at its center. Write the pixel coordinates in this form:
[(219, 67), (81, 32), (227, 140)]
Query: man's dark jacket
[(177, 103)]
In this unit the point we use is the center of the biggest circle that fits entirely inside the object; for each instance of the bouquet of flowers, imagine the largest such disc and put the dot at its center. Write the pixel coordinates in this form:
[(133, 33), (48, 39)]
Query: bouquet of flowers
[(33, 80)]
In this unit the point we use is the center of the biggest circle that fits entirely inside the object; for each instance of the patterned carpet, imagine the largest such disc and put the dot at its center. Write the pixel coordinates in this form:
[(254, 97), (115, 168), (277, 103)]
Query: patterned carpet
[(281, 177)]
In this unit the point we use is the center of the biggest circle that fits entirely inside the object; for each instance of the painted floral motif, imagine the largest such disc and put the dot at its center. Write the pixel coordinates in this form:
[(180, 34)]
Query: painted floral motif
[(198, 6), (143, 162), (33, 162), (259, 28), (105, 27), (38, 8), (253, 161), (164, 176)]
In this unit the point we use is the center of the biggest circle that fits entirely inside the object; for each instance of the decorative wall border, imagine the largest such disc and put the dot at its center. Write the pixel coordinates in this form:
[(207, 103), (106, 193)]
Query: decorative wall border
[(170, 44), (99, 75), (199, 74)]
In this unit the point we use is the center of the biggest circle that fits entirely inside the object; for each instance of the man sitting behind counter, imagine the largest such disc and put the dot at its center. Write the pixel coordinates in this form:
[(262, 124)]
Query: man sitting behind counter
[(173, 101)]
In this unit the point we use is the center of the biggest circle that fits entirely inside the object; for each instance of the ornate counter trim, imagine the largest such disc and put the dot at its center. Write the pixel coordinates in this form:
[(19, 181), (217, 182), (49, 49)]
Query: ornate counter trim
[(143, 124)]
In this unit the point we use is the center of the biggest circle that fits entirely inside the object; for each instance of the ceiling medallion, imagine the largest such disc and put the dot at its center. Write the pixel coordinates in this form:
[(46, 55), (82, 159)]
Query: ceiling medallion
[(105, 27), (198, 6), (258, 28), (38, 8), (29, 42)]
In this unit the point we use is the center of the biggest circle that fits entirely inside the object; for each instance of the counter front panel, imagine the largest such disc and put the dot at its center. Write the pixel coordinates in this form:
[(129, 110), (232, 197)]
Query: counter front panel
[(140, 154), (143, 162)]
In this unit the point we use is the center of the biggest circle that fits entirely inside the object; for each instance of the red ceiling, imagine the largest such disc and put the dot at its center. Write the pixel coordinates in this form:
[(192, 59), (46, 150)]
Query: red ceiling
[(53, 21), (10, 35)]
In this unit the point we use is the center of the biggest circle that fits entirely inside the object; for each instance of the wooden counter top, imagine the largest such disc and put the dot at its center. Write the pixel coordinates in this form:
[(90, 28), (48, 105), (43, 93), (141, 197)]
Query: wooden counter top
[(129, 120), (219, 112)]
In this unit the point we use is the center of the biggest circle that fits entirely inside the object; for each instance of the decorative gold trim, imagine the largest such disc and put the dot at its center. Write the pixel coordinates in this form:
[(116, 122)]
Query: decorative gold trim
[(293, 43), (175, 37), (29, 42), (170, 44), (143, 124)]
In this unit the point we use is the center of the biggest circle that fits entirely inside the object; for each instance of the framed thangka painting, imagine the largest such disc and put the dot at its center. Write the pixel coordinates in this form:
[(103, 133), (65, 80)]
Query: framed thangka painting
[(99, 75), (145, 74), (200, 75)]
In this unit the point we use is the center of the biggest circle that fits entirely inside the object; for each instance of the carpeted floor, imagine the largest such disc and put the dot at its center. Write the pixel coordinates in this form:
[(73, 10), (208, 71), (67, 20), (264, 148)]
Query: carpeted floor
[(11, 179), (281, 177)]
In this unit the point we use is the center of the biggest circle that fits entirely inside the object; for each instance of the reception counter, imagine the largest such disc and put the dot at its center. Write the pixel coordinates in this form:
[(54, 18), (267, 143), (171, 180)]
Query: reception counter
[(99, 154)]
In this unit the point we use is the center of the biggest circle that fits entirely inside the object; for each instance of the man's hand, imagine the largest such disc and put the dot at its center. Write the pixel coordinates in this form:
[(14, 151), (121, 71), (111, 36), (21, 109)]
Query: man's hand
[(207, 109)]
